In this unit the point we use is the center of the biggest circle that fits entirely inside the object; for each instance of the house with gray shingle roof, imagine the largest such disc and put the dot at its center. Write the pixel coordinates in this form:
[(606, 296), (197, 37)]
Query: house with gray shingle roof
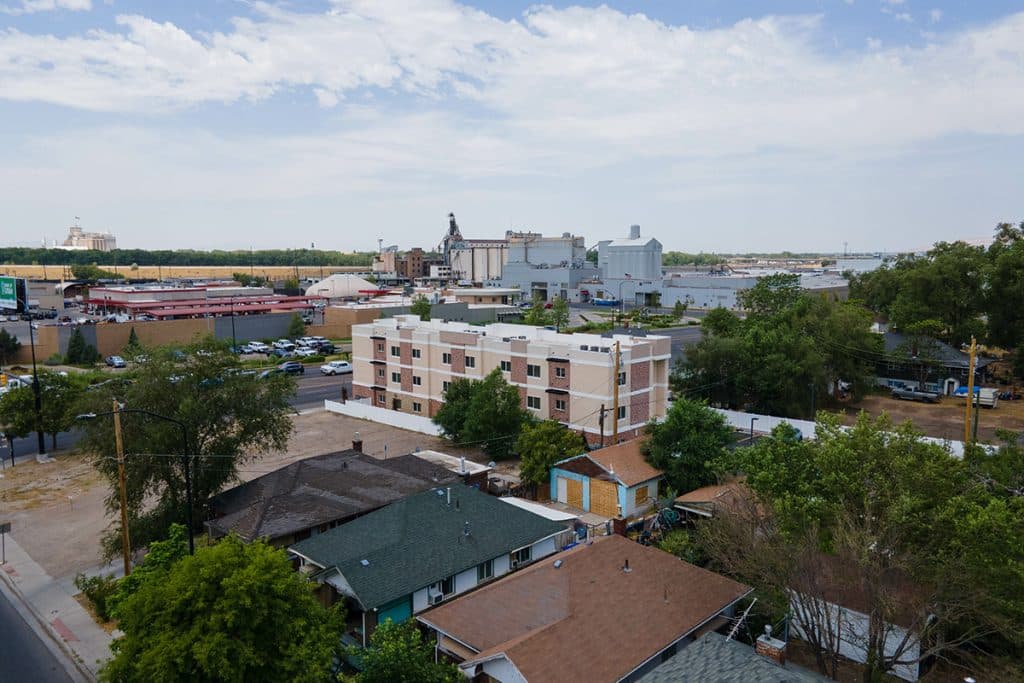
[(422, 550)]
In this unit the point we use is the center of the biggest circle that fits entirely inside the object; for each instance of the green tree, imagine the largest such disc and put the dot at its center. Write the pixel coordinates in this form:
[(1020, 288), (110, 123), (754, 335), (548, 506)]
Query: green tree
[(421, 307), (9, 346), (79, 351), (559, 313), (160, 558), (679, 310), (59, 396), (543, 444), (134, 346), (495, 416), (398, 654), (876, 510), (537, 313), (232, 612), (90, 272), (17, 412), (291, 283), (451, 416), (686, 442), (1005, 287), (296, 327), (230, 418)]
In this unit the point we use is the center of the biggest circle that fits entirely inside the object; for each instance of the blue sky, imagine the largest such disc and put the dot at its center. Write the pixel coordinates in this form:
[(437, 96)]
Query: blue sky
[(718, 126)]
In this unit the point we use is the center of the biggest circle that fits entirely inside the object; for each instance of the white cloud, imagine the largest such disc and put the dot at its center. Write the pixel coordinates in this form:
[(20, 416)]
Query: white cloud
[(935, 15), (893, 3), (553, 93), (33, 6), (903, 16)]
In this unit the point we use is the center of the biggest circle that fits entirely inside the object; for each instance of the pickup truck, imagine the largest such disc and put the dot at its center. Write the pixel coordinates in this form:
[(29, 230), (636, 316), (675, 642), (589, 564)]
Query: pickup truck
[(912, 394)]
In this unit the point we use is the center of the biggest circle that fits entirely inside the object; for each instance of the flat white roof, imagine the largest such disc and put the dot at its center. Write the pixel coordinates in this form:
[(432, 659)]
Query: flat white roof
[(450, 462), (538, 509)]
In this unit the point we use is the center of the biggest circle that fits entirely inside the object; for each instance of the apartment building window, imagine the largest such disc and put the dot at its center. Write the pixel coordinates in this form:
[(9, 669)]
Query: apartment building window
[(380, 347), (396, 377), (559, 372), (444, 588), (622, 412), (380, 373), (484, 571), (470, 361), (417, 380), (444, 386), (622, 378), (533, 371), (446, 358), (533, 402), (521, 556), (415, 353), (417, 407), (382, 400), (559, 404), (506, 366), (396, 351)]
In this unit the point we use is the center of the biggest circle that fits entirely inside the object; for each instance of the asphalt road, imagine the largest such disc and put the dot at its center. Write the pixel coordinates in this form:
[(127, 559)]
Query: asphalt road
[(681, 338), (23, 656)]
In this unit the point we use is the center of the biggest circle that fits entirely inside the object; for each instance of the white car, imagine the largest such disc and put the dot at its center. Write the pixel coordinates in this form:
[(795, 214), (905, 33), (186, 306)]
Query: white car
[(336, 367), (258, 347), (304, 352)]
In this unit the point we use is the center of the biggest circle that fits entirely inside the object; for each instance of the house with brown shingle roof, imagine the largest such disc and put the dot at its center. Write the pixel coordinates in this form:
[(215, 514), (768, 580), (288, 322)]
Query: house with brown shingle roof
[(615, 481), (611, 610)]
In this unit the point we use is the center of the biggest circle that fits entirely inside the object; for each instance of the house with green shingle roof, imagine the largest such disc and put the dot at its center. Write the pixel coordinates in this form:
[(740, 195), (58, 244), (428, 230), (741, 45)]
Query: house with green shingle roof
[(422, 550)]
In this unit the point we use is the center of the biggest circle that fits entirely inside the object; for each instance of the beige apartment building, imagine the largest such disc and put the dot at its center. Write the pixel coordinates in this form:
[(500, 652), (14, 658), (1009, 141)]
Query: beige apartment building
[(403, 363)]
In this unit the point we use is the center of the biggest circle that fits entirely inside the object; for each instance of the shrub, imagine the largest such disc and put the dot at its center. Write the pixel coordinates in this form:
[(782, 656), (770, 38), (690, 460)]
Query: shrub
[(55, 359), (97, 590)]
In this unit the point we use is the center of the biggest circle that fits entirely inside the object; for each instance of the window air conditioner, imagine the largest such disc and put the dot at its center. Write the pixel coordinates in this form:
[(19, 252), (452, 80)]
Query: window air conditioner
[(435, 599)]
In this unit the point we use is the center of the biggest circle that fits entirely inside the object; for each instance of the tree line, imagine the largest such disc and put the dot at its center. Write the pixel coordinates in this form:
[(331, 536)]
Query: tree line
[(954, 291), (183, 257), (791, 350)]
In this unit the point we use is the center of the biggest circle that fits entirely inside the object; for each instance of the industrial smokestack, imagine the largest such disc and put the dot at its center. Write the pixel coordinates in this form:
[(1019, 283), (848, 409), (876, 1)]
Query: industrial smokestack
[(634, 232), (357, 442)]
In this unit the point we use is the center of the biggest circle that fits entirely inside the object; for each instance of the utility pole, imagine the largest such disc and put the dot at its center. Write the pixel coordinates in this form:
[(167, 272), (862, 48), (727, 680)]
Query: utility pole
[(615, 395), (600, 422), (970, 391), (122, 490)]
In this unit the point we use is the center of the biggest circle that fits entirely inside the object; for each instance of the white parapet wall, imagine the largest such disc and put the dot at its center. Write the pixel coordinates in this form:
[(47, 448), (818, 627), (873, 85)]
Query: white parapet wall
[(364, 411)]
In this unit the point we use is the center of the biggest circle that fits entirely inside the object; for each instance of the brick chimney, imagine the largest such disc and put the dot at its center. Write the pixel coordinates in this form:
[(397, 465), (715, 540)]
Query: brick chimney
[(772, 648), (357, 442)]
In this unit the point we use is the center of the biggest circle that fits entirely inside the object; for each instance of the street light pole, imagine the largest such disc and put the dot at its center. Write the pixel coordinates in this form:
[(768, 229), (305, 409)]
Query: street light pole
[(185, 456), (36, 389), (752, 421), (622, 303)]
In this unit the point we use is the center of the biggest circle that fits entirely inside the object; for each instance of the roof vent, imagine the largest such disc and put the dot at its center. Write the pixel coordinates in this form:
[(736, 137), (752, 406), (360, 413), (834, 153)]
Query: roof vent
[(365, 563), (558, 564), (625, 566)]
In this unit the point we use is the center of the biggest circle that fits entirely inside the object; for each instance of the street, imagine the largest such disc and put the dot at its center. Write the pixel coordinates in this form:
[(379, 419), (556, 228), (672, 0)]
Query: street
[(23, 656)]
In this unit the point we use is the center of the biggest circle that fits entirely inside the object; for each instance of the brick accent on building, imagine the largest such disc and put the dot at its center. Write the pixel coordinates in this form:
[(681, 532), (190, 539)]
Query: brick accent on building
[(459, 360), (518, 369), (405, 349), (553, 412), (406, 379), (380, 348), (639, 375), (556, 382)]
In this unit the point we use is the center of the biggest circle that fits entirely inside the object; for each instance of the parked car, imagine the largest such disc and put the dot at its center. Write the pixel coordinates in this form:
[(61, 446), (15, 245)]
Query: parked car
[(336, 367), (292, 367), (305, 352), (269, 373), (258, 347), (284, 344), (326, 348), (116, 362), (903, 392), (282, 353)]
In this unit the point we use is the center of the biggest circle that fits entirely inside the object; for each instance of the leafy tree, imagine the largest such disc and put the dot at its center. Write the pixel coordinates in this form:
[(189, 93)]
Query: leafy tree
[(680, 543), (230, 418), (537, 314), (79, 352), (876, 511), (59, 396), (421, 307), (773, 294), (451, 416), (291, 283), (398, 654), (187, 257), (231, 612), (543, 444), (9, 346), (559, 313), (17, 412), (686, 442), (495, 415), (296, 327), (160, 557), (1005, 286), (90, 272), (134, 346), (679, 310)]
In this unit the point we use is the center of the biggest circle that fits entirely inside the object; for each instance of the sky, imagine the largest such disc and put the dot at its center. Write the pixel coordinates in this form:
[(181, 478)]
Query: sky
[(739, 126)]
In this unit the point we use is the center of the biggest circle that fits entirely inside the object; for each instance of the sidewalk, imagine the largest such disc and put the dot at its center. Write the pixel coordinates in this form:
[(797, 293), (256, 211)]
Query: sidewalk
[(67, 622)]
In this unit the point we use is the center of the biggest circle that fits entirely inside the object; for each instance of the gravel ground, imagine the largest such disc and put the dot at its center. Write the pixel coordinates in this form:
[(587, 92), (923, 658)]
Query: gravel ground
[(943, 420)]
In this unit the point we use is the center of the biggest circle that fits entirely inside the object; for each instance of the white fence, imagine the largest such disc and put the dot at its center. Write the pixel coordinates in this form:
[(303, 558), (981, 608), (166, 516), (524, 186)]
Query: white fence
[(362, 409), (764, 424)]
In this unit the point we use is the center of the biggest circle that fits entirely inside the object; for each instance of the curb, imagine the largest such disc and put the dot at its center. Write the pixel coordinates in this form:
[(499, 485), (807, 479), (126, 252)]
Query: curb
[(44, 630)]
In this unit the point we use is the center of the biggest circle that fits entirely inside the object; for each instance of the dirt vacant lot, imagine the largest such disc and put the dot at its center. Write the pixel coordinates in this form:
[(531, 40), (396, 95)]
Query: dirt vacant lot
[(57, 510), (943, 420)]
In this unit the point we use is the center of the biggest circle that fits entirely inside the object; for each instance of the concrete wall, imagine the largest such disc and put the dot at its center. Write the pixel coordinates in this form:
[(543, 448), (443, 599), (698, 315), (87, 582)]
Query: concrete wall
[(394, 418)]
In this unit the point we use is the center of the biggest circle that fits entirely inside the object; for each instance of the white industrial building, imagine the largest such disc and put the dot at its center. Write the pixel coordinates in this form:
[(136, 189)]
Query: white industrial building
[(630, 269), (547, 267)]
